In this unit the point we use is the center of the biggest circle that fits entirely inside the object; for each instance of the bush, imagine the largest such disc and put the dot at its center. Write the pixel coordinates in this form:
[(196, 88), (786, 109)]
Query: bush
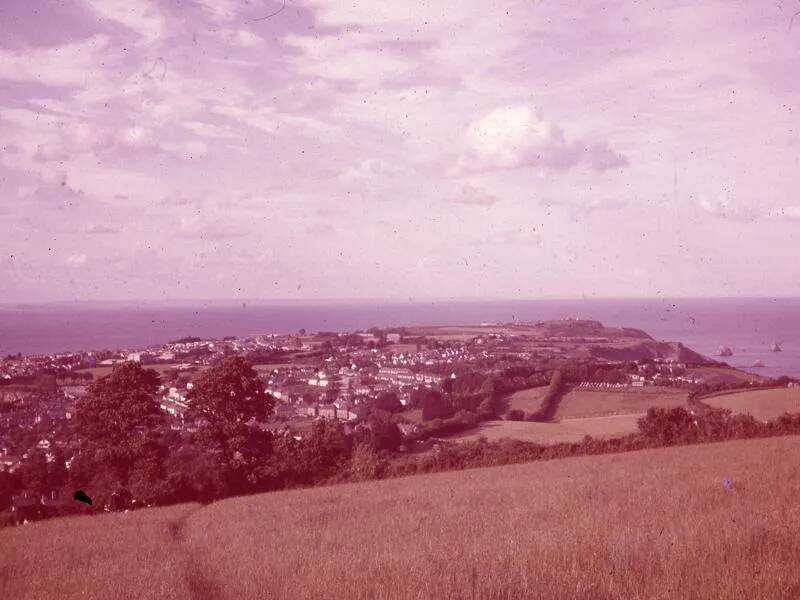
[(515, 414)]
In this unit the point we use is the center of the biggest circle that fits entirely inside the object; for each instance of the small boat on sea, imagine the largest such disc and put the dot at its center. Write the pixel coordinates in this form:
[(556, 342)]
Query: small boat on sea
[(776, 347), (724, 351)]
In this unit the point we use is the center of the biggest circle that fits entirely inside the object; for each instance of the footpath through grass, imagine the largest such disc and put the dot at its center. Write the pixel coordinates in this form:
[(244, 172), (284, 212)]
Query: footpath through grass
[(705, 521)]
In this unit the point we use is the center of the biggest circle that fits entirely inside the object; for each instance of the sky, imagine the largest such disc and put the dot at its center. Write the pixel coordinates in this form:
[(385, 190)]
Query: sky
[(311, 149)]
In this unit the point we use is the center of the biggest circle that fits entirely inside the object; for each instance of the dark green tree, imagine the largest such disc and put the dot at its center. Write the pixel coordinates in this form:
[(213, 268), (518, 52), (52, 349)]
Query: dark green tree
[(119, 423), (228, 401)]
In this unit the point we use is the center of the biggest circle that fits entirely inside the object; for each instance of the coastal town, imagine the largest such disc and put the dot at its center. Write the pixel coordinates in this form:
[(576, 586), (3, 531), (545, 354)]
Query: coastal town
[(339, 376)]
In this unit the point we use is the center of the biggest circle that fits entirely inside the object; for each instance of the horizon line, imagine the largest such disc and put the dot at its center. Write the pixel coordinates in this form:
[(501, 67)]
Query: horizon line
[(356, 300)]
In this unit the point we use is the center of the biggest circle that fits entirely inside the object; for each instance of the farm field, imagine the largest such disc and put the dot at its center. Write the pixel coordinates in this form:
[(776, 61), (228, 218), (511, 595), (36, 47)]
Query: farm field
[(98, 372), (568, 430), (763, 405), (580, 402), (649, 524), (528, 400), (723, 375), (402, 348)]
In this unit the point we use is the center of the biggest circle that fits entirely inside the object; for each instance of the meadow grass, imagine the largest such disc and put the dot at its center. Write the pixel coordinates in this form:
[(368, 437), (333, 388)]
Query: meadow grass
[(596, 403), (528, 400), (568, 430), (763, 405), (654, 524), (127, 555)]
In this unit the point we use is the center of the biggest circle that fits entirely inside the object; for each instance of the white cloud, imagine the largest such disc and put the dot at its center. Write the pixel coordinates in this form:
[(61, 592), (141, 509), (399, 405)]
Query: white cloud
[(140, 16), (263, 118), (786, 213), (72, 64), (186, 149), (727, 207), (514, 136), (76, 260), (352, 56), (136, 136), (474, 196)]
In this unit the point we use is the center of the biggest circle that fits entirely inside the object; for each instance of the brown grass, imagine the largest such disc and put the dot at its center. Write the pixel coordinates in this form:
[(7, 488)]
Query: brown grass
[(528, 400), (134, 555), (594, 403), (104, 370), (723, 374), (652, 524), (568, 430), (764, 405)]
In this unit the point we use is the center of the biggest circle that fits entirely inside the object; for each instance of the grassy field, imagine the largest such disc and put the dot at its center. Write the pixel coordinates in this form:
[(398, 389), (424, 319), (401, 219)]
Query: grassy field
[(595, 403), (98, 372), (652, 524), (402, 348), (528, 400), (723, 375), (764, 405), (568, 430)]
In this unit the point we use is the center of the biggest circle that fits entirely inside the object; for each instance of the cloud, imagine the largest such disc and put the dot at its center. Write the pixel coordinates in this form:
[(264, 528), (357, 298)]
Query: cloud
[(356, 56), (209, 130), (786, 213), (724, 206), (516, 136), (474, 196), (100, 229), (139, 16), (71, 64), (52, 191), (263, 118), (207, 228), (321, 229), (76, 260)]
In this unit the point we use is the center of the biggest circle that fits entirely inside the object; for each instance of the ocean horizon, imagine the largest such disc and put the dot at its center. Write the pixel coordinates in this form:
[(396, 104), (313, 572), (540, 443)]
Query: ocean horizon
[(749, 326)]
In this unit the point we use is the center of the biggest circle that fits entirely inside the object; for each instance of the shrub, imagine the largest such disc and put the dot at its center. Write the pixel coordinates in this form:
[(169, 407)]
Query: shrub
[(515, 414)]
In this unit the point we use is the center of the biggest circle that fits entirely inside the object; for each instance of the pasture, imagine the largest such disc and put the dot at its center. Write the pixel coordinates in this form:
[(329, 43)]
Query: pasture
[(583, 402), (568, 430), (528, 400), (104, 370), (763, 405), (650, 524)]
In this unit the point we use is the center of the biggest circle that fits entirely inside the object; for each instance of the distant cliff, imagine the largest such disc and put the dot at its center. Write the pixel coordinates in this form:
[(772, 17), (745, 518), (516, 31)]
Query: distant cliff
[(586, 328), (651, 349)]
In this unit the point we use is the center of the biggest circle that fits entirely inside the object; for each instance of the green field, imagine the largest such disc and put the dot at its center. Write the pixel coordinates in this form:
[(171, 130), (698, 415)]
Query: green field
[(104, 370), (528, 400), (568, 430), (651, 524), (594, 403), (764, 405)]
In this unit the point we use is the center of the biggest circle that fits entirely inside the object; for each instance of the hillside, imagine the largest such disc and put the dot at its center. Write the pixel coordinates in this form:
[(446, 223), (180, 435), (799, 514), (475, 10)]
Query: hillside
[(764, 404), (650, 524), (650, 349)]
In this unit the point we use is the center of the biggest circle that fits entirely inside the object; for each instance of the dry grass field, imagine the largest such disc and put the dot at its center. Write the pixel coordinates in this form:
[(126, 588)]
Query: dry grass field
[(642, 525), (723, 375), (98, 372), (568, 430), (764, 405), (529, 400), (595, 403)]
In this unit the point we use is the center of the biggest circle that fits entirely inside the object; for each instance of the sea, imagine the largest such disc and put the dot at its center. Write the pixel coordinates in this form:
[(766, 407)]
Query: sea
[(749, 326)]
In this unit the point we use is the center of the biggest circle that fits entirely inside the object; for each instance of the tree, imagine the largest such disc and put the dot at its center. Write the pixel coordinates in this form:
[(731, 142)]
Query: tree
[(118, 423), (384, 434), (33, 473), (435, 406), (389, 402), (228, 400), (365, 464), (515, 415)]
